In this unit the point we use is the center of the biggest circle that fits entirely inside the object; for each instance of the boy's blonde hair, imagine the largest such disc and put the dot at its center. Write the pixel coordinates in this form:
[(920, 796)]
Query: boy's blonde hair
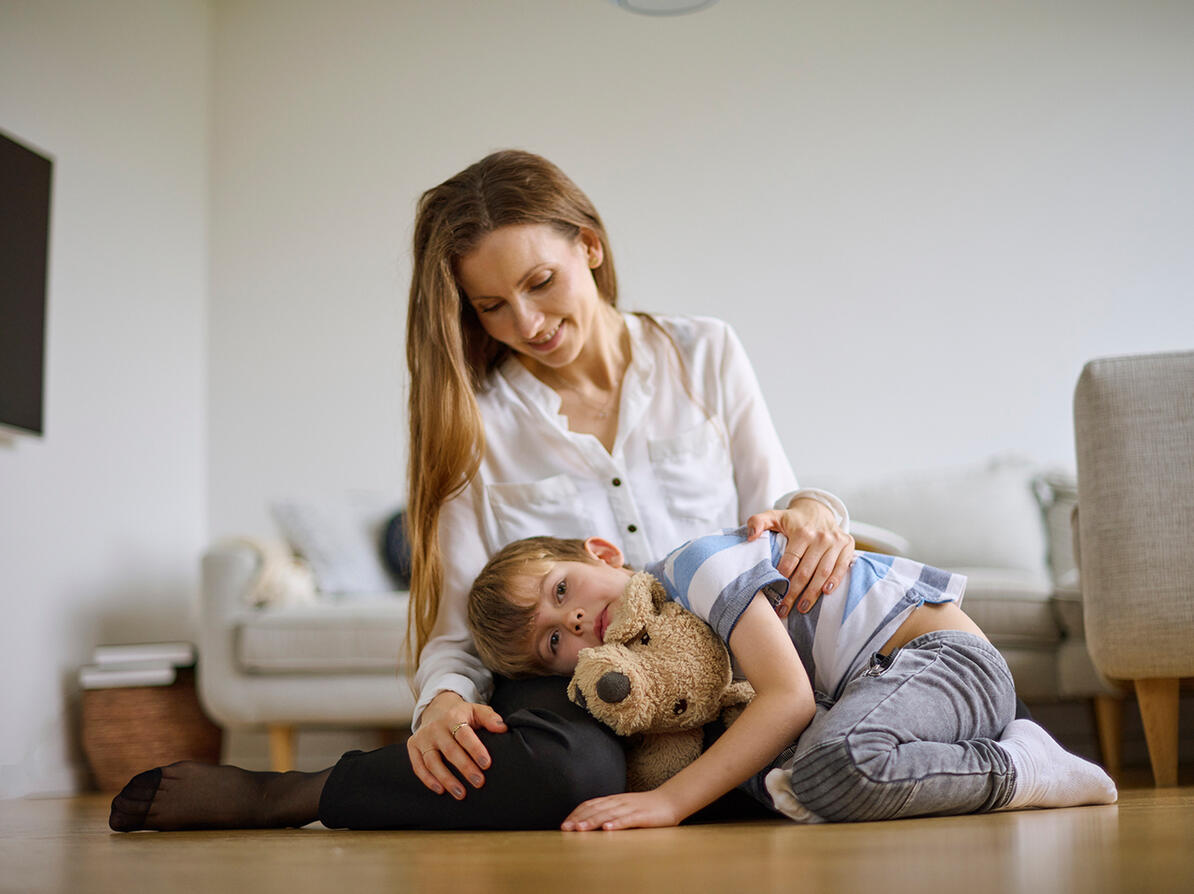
[(500, 618)]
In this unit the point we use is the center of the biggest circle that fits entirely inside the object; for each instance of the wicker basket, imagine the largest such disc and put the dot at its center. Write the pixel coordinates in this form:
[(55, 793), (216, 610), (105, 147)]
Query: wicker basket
[(130, 729)]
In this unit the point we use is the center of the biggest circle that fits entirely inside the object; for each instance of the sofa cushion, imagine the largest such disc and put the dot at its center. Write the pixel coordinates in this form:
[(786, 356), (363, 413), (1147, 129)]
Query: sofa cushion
[(1034, 671), (361, 635), (395, 549), (1067, 600), (982, 516), (341, 538), (1014, 608)]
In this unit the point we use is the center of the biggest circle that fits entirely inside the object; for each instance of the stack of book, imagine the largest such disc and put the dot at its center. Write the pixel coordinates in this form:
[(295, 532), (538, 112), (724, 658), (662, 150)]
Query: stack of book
[(137, 664)]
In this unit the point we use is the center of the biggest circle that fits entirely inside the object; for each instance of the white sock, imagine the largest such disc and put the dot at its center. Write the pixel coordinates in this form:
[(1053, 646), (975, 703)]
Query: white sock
[(1049, 776), (779, 786)]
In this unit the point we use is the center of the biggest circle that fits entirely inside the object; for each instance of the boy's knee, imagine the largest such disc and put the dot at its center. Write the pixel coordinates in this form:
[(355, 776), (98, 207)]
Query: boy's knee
[(843, 780)]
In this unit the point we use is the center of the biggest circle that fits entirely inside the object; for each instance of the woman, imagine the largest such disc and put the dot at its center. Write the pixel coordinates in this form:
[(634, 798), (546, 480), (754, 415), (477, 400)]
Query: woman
[(535, 407)]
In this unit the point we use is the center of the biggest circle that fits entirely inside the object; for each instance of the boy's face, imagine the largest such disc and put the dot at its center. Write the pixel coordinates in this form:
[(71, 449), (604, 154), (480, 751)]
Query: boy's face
[(573, 603)]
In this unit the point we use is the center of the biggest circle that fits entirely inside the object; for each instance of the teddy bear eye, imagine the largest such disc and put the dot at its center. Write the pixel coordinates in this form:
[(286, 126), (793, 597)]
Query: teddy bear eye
[(680, 707), (645, 639)]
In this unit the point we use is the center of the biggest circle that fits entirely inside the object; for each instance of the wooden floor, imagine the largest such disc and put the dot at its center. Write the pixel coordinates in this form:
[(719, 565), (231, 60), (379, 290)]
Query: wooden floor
[(1144, 843)]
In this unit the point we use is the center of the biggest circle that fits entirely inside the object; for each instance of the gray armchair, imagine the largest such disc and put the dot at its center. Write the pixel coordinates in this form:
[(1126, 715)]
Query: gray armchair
[(1134, 433)]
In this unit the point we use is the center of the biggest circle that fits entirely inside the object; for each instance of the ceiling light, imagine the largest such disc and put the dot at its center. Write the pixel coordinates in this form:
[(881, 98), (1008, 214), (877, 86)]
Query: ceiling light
[(664, 7)]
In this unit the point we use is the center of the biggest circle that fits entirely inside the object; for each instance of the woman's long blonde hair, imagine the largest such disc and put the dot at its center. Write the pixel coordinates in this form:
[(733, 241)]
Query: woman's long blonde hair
[(448, 353)]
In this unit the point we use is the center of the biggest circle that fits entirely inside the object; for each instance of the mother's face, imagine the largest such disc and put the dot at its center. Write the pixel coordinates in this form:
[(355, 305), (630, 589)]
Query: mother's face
[(533, 290)]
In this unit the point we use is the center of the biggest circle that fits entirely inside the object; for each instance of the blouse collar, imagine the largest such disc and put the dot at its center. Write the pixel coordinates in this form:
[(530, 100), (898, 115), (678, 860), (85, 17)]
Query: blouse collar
[(635, 392)]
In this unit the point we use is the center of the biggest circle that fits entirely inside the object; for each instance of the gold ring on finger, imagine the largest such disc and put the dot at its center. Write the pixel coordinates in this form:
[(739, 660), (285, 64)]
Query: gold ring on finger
[(456, 727)]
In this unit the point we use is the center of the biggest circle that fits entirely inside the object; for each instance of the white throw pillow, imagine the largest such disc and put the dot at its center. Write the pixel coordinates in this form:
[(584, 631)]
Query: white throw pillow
[(984, 515), (341, 540)]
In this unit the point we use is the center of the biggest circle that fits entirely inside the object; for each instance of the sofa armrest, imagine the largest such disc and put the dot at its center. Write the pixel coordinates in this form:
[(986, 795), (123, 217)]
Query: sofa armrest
[(1133, 428), (229, 571), (874, 539)]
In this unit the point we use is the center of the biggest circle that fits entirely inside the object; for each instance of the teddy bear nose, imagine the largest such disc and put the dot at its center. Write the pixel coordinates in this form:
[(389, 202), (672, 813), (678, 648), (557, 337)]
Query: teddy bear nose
[(613, 687)]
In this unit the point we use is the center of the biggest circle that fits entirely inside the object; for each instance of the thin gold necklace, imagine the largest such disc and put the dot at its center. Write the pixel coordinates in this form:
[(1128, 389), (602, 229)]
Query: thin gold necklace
[(600, 409)]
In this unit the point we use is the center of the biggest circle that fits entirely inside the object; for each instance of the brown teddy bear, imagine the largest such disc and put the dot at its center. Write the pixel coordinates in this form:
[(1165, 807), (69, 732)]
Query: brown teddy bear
[(661, 675)]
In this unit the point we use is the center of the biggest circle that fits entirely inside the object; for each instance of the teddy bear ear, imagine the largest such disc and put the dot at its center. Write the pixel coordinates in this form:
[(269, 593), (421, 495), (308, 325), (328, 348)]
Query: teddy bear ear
[(658, 595), (576, 695), (632, 609)]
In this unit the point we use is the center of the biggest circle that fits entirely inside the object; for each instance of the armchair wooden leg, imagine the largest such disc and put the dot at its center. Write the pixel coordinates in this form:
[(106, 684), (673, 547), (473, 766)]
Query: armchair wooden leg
[(1158, 710), (1109, 715), (281, 748)]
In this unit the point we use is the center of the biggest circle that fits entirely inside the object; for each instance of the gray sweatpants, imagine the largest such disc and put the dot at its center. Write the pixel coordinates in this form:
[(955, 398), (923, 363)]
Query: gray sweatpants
[(912, 734)]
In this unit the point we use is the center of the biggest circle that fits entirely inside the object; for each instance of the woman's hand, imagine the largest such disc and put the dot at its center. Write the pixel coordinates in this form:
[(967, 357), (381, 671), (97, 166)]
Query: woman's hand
[(632, 810), (818, 553), (445, 736)]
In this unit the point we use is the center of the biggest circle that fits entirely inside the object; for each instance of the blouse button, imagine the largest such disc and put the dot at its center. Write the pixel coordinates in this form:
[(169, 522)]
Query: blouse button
[(617, 482), (632, 528)]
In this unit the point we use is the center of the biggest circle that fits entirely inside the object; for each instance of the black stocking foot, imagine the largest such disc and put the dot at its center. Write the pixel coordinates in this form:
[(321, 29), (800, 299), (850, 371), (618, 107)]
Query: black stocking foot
[(191, 795)]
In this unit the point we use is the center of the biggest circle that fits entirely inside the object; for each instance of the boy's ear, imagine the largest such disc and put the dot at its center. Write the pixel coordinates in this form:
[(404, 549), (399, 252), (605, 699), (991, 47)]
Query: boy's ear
[(604, 551)]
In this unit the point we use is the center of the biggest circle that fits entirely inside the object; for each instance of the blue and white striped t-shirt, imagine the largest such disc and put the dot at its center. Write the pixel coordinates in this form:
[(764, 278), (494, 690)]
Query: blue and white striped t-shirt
[(718, 575)]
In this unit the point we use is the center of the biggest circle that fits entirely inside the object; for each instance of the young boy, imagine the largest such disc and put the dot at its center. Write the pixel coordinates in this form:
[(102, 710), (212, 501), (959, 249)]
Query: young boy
[(884, 701)]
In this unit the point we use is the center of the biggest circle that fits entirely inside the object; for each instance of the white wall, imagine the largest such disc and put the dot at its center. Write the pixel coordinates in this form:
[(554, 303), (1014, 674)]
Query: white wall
[(945, 207), (103, 519)]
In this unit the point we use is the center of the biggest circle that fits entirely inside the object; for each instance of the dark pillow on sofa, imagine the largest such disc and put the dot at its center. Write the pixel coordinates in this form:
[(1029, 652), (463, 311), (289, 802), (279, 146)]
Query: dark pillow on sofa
[(395, 549)]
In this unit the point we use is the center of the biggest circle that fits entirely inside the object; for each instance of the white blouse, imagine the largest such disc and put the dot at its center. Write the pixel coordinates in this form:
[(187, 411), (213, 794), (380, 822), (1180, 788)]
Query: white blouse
[(695, 451)]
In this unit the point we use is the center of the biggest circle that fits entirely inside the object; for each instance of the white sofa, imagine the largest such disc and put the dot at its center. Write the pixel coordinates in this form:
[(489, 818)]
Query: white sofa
[(292, 660), (336, 661), (1005, 524)]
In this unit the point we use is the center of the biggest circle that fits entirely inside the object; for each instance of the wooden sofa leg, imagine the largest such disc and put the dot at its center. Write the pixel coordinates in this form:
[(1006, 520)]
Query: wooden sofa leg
[(1158, 711), (281, 748), (1109, 716)]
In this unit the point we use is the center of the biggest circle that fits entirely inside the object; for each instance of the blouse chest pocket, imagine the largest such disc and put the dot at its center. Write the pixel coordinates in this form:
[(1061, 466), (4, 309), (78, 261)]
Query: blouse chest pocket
[(548, 506), (696, 475)]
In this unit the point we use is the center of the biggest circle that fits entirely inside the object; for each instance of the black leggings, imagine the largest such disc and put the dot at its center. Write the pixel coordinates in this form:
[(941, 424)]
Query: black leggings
[(553, 756)]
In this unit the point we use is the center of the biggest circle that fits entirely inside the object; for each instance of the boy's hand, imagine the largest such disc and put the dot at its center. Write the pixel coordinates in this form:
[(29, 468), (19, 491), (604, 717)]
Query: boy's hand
[(632, 810), (818, 553)]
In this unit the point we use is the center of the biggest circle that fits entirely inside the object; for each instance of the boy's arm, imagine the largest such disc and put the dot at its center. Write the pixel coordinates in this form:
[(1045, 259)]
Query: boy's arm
[(782, 707)]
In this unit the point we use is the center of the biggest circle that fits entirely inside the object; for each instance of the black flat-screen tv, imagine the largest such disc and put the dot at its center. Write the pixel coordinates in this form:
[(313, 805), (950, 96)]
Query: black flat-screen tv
[(24, 257)]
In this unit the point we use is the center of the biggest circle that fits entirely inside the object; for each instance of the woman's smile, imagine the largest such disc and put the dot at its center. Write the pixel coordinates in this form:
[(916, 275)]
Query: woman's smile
[(550, 341)]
